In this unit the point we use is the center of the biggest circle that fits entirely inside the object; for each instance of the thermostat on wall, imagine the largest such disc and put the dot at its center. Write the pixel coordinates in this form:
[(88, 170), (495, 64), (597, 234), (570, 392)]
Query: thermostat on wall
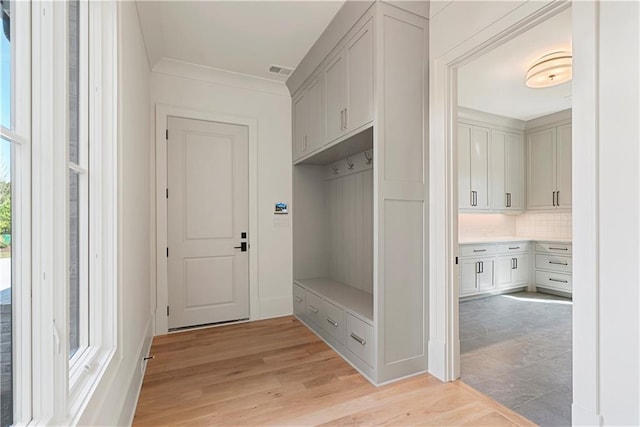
[(281, 209)]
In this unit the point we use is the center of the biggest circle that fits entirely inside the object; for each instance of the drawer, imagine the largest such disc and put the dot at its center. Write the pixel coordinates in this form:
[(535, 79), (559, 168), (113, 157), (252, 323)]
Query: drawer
[(333, 321), (512, 248), (477, 250), (562, 264), (313, 304), (360, 339), (554, 248), (548, 279), (299, 300)]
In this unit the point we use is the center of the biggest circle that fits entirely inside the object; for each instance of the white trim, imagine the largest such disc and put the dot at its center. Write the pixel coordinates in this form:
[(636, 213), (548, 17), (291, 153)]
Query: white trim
[(21, 215), (586, 408), (182, 69), (162, 114), (444, 350)]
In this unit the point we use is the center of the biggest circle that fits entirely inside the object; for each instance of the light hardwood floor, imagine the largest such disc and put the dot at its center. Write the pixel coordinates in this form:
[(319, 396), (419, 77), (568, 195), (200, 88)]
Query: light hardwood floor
[(277, 372)]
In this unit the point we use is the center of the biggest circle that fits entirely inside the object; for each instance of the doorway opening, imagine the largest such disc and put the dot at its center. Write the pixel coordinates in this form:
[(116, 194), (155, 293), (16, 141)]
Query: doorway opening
[(514, 222)]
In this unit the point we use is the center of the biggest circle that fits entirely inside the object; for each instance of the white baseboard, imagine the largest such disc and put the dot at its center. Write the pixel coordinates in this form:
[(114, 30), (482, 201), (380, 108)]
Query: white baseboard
[(436, 359), (584, 416), (135, 386), (275, 307)]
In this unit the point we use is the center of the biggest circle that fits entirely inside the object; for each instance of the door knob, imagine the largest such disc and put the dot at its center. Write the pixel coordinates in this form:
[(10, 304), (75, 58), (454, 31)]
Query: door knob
[(242, 247)]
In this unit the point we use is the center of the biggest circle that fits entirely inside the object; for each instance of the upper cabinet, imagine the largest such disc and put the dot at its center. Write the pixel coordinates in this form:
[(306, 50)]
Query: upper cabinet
[(490, 169), (507, 171), (549, 168), (473, 167), (309, 124), (349, 78)]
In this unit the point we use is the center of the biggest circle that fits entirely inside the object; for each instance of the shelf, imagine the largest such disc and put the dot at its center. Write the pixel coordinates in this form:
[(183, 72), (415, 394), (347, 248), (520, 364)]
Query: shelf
[(354, 300), (338, 150)]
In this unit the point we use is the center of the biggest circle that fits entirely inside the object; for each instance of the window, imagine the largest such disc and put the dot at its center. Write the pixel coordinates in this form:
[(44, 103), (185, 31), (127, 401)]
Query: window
[(78, 195)]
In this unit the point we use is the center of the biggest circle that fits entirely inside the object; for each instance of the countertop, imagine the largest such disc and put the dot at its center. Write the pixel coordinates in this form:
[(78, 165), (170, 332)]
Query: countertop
[(480, 240)]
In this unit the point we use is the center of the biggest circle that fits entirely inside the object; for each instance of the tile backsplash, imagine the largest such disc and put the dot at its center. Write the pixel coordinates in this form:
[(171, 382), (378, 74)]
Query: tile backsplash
[(472, 226), (548, 225), (530, 224)]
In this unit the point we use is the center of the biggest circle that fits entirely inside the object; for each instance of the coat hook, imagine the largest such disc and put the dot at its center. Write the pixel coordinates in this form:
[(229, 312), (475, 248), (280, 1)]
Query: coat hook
[(349, 163), (335, 169), (367, 157)]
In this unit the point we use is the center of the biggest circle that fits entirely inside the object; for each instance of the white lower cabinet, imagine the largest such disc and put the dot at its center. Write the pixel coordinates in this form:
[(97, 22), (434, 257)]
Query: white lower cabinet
[(493, 267), (342, 316), (360, 339), (554, 267), (333, 321), (299, 298)]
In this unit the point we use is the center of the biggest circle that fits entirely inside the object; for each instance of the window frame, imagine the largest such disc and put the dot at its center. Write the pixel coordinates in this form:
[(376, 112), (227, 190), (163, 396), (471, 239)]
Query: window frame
[(63, 388), (19, 135)]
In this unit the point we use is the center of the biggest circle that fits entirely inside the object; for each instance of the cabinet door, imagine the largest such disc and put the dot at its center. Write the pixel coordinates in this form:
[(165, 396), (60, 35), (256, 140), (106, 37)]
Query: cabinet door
[(465, 196), (468, 272), (317, 125), (504, 270), (485, 277), (300, 122), (541, 176), (520, 274), (335, 82), (359, 56), (514, 171), (497, 167), (563, 167), (480, 166)]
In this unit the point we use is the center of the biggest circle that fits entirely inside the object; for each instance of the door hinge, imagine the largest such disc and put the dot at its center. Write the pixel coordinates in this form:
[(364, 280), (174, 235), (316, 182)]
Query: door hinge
[(167, 192), (167, 252), (167, 311), (166, 134)]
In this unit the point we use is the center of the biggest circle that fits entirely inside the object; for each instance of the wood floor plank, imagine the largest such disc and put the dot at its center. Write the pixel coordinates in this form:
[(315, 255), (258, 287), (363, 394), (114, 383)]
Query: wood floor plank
[(277, 372)]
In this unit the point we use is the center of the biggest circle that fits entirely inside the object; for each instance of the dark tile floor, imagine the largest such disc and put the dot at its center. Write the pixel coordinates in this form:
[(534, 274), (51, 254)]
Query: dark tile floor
[(516, 348)]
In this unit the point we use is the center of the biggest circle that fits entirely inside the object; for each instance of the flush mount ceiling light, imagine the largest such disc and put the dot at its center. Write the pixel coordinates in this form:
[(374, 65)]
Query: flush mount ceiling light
[(550, 70)]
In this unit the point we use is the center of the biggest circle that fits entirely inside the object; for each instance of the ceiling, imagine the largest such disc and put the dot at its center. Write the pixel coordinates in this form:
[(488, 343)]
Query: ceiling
[(238, 36), (494, 82)]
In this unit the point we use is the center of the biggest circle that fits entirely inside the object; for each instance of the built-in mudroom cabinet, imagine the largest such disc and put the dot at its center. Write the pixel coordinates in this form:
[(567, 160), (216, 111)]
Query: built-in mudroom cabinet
[(359, 105)]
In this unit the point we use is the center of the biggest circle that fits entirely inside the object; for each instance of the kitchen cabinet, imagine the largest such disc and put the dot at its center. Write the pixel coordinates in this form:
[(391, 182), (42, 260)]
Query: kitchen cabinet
[(309, 119), (554, 267), (549, 168), (349, 80), (476, 275), (473, 167), (491, 267), (512, 271), (506, 179)]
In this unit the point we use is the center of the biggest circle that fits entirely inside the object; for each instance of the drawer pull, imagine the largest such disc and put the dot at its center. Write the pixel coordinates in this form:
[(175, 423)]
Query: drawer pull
[(298, 299), (332, 322), (312, 308), (514, 247), (558, 249), (479, 250), (557, 280), (357, 338), (558, 263)]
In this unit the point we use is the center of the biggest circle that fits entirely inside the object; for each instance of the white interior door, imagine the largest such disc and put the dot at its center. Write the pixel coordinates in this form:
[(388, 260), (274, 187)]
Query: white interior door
[(208, 198)]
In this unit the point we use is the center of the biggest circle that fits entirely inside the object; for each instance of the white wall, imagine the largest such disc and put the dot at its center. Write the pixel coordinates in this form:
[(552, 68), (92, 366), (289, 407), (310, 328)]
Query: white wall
[(114, 400), (212, 91), (606, 182)]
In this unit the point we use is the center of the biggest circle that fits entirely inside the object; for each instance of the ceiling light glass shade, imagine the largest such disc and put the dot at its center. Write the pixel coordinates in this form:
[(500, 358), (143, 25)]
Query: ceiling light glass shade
[(550, 70)]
